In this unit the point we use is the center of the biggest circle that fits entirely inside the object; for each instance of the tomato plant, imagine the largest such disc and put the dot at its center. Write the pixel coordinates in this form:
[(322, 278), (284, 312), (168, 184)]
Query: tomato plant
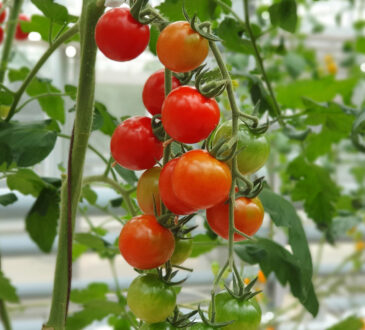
[(211, 179), (133, 144), (119, 36), (150, 299), (253, 148), (248, 217), (144, 243), (180, 48), (183, 249), (19, 33), (3, 14), (147, 191), (245, 313), (167, 194), (157, 326), (188, 116), (153, 94), (1, 35)]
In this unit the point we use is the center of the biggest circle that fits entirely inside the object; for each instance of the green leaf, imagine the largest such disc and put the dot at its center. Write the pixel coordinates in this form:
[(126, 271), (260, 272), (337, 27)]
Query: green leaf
[(284, 14), (272, 257), (8, 199), (52, 10), (71, 91), (41, 221), (314, 186), (202, 244), (6, 98), (26, 181), (154, 33), (205, 9), (29, 143), (320, 90), (94, 291), (358, 132), (231, 32), (94, 310), (128, 175), (259, 94), (341, 225), (106, 122), (335, 126), (52, 105), (295, 64), (7, 291), (89, 194), (360, 44), (18, 74), (351, 323), (283, 214), (78, 250)]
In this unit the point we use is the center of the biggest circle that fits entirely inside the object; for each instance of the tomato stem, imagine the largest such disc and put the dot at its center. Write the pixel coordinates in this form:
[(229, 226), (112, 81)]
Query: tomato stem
[(83, 123), (10, 33)]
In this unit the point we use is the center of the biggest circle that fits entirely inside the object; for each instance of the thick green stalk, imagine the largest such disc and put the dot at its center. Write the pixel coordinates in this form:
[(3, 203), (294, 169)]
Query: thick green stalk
[(91, 11), (10, 33), (61, 39)]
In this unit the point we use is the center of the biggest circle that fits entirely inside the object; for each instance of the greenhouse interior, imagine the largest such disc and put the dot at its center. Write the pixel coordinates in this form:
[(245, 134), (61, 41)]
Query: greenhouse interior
[(182, 164)]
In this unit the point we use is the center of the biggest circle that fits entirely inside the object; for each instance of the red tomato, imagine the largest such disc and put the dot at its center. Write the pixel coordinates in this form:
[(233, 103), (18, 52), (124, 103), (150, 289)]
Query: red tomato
[(119, 36), (144, 243), (200, 180), (248, 217), (19, 34), (188, 116), (153, 93), (134, 146), (1, 35), (170, 200), (3, 14), (148, 192), (180, 48)]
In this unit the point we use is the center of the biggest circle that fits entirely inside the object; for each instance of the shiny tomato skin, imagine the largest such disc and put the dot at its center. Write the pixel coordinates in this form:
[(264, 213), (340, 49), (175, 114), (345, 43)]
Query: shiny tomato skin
[(200, 180), (188, 116), (150, 299), (3, 14), (248, 217), (134, 146), (183, 249), (19, 34), (148, 192), (167, 194), (119, 36), (1, 35), (180, 48), (245, 313), (153, 93), (144, 243), (254, 149)]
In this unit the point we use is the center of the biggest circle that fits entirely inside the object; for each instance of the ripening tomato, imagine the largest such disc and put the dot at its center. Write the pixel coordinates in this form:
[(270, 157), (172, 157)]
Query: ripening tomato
[(119, 36), (150, 299), (188, 116), (180, 48), (201, 181), (245, 313), (1, 35), (3, 14), (183, 249), (144, 243), (153, 93), (167, 194), (254, 149), (248, 217), (147, 191), (134, 146), (19, 33)]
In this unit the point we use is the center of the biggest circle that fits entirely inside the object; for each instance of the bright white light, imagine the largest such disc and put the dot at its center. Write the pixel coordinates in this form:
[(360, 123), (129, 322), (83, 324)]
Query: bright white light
[(34, 36), (362, 67), (265, 15), (267, 317), (114, 3), (70, 51)]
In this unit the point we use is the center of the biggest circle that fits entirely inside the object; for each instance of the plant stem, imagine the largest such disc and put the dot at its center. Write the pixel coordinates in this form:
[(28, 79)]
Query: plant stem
[(10, 33), (18, 94), (260, 63), (228, 8), (83, 123), (4, 316), (115, 185)]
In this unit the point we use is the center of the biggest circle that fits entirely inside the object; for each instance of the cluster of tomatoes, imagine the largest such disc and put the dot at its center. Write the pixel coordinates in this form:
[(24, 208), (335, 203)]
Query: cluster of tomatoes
[(19, 33), (192, 181)]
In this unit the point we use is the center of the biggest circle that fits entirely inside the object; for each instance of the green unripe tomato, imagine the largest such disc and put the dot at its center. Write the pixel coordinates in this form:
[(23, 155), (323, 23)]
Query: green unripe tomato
[(200, 326), (4, 110), (254, 148), (183, 249), (246, 313), (157, 326), (150, 299)]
